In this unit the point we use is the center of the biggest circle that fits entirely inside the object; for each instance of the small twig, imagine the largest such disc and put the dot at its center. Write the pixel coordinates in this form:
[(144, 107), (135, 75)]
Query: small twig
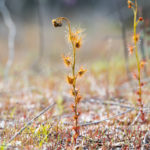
[(146, 140), (104, 102), (30, 122), (138, 115), (136, 118), (147, 136), (101, 101), (97, 122)]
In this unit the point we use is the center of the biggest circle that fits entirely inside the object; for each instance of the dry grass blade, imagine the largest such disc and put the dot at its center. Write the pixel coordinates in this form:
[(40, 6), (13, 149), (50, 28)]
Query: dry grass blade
[(30, 122), (97, 122)]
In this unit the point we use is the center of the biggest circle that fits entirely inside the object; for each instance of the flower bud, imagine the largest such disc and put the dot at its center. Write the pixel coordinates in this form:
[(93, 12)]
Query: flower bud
[(140, 18), (57, 22), (70, 79)]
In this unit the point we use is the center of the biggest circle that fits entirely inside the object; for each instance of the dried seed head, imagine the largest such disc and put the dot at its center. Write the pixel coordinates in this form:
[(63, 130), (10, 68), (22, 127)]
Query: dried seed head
[(75, 117), (72, 107), (78, 43), (76, 38), (78, 99), (67, 60), (142, 64), (81, 72), (57, 22), (136, 37), (74, 93), (72, 37), (70, 79), (138, 92)]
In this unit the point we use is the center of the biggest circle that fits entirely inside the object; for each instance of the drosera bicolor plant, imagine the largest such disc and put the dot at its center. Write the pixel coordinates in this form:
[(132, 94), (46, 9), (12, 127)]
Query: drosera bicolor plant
[(132, 4), (75, 38)]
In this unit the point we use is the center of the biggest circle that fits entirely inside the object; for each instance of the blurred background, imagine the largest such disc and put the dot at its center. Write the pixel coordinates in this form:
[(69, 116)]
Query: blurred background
[(29, 42)]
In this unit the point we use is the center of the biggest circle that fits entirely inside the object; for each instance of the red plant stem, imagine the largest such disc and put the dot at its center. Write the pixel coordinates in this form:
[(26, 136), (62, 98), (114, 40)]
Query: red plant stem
[(138, 60)]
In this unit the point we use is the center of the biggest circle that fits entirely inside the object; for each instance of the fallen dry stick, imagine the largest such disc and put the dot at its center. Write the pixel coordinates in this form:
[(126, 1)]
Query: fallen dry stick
[(104, 120), (30, 122), (97, 122), (146, 140)]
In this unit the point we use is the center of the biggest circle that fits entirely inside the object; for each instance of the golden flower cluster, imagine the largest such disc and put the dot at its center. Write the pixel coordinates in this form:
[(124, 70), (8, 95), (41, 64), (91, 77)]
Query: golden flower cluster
[(76, 38)]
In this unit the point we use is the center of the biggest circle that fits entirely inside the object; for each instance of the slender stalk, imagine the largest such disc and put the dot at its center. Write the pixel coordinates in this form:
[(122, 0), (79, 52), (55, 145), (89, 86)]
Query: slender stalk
[(76, 41), (136, 51), (73, 73), (74, 85), (30, 122), (137, 59)]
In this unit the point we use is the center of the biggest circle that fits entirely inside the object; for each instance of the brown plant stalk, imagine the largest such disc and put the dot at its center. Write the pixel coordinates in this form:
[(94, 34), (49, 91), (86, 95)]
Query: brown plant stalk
[(76, 41)]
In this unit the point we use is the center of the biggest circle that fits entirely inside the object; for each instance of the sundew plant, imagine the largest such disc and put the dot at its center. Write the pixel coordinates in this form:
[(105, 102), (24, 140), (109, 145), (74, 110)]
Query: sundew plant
[(75, 38), (132, 4)]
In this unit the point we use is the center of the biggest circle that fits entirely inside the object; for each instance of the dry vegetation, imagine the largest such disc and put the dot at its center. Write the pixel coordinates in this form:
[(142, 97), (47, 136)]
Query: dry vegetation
[(38, 112)]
